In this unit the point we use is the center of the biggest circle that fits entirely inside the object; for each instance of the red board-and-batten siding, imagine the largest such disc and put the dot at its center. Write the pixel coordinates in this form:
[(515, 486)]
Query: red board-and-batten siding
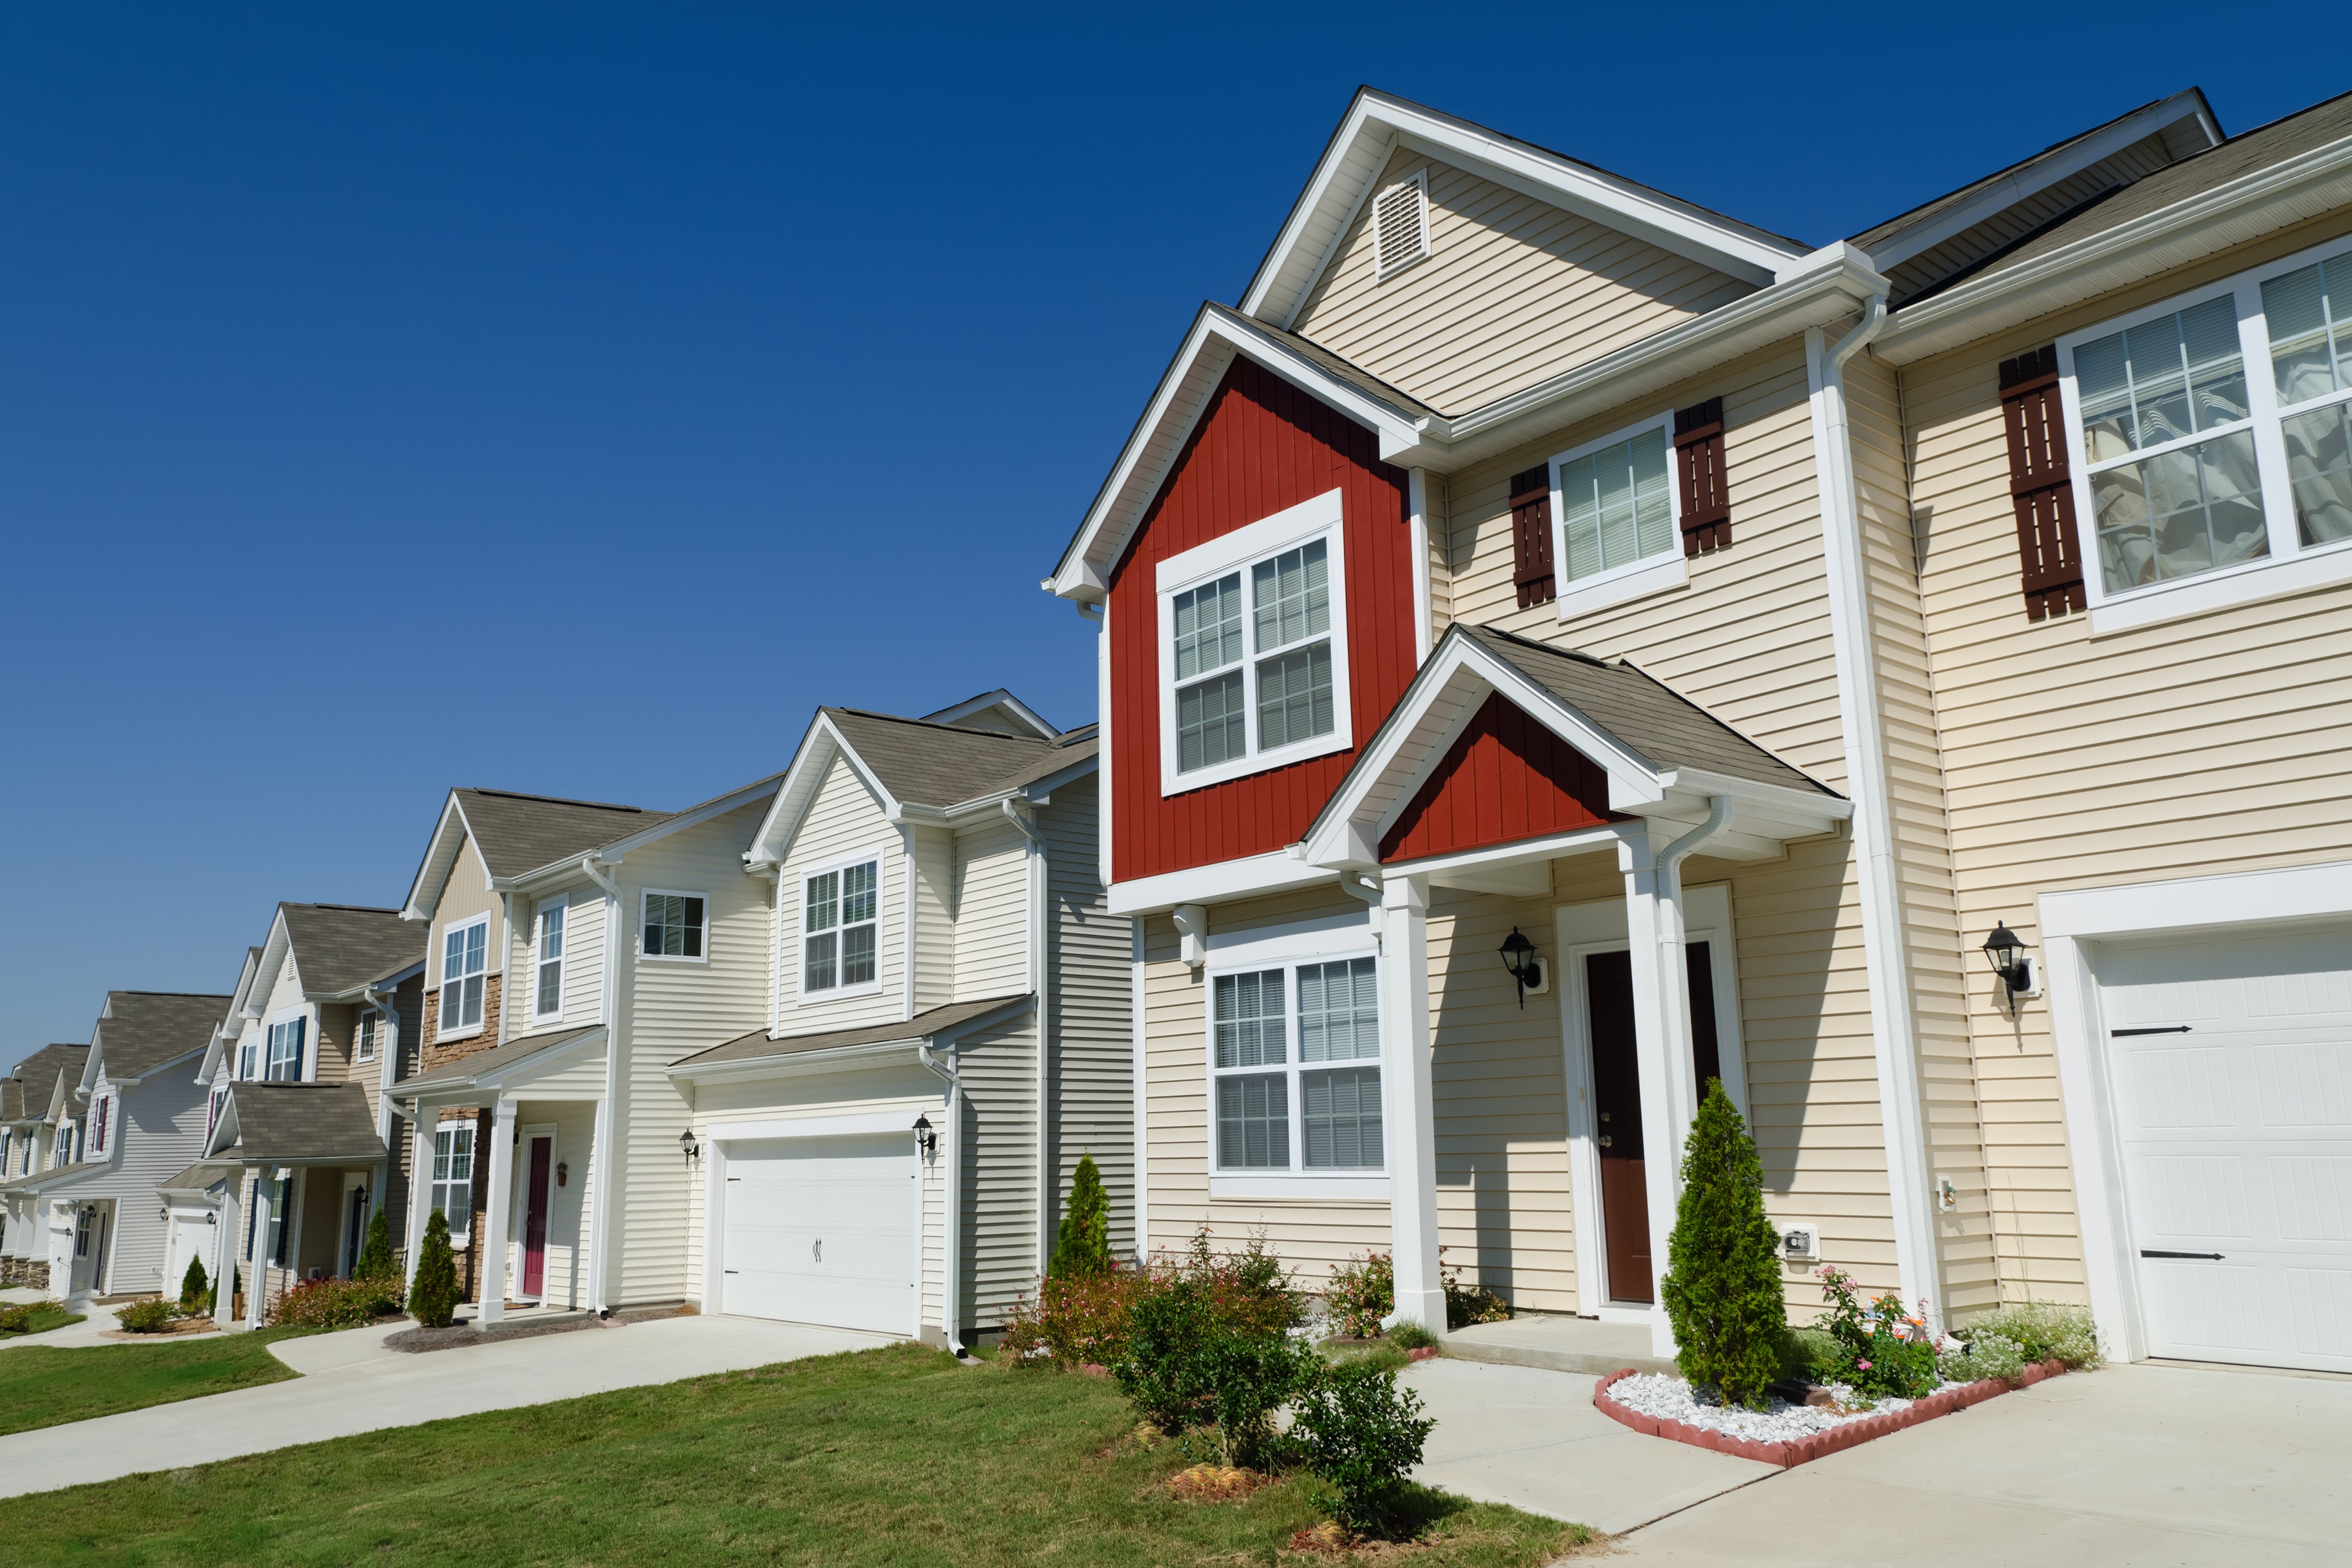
[(1262, 446), (1505, 778)]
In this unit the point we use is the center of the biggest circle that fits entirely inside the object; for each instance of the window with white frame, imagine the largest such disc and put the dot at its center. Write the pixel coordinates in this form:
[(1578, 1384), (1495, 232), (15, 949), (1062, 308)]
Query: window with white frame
[(1254, 648), (465, 963), (286, 1042), (1294, 1067), (2215, 438), (1615, 507), (369, 1035), (249, 1058), (213, 1109), (673, 925), (453, 1177), (841, 928), (547, 995)]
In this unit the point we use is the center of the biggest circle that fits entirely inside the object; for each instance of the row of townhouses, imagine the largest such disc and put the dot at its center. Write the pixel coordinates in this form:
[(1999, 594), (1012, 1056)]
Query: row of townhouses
[(1559, 645)]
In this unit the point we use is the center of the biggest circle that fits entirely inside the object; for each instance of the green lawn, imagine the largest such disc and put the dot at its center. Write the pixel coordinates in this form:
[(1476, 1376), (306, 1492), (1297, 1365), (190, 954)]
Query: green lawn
[(894, 1457), (44, 1318), (41, 1385)]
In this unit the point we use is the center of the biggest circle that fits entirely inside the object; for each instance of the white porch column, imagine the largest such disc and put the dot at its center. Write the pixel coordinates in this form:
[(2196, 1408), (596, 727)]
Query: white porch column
[(1661, 1048), (490, 1247), (420, 1185), (225, 1254), (1408, 1124), (257, 1278), (600, 1200)]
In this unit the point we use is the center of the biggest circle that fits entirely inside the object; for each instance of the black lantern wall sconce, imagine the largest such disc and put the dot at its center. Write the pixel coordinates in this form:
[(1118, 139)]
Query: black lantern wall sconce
[(688, 1147), (562, 1174), (926, 1137), (2020, 977), (1529, 970)]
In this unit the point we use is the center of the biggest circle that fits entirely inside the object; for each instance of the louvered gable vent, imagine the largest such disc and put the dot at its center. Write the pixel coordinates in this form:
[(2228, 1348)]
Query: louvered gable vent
[(1400, 224)]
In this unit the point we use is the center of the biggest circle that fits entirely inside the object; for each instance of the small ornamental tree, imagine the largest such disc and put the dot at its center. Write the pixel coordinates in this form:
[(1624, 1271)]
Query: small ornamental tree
[(1722, 1286), (1082, 1246), (433, 1296), (193, 1284), (376, 1253)]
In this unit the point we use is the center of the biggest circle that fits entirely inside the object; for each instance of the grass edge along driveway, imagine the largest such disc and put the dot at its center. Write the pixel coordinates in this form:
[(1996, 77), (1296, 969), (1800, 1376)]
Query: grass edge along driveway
[(894, 1456), (46, 1385)]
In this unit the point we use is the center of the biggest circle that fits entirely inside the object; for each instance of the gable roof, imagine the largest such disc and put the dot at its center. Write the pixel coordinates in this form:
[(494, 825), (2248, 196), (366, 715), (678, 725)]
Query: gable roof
[(1000, 705), (141, 1030), (339, 948), (488, 1067), (1376, 122), (12, 1100), (296, 1123), (518, 832), (954, 1018), (40, 1071)]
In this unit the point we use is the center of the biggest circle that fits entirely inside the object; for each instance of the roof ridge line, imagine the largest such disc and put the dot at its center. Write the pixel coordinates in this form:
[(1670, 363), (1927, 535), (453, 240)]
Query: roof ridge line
[(934, 724), (563, 800)]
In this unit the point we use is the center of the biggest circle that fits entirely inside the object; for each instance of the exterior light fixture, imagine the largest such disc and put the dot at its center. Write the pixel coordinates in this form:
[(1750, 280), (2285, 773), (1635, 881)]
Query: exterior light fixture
[(926, 1138), (688, 1147), (1527, 968), (2006, 952), (562, 1174)]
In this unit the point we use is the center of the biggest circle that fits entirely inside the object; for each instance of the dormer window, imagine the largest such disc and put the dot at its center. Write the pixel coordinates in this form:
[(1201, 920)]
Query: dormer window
[(1400, 224), (840, 929), (1253, 626), (286, 1042)]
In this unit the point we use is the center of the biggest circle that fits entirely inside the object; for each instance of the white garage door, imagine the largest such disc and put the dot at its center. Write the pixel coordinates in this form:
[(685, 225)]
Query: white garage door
[(2233, 1095), (822, 1230)]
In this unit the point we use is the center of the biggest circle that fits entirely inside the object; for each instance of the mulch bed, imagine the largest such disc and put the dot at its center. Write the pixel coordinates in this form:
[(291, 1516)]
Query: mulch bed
[(458, 1336), (1837, 1438), (179, 1328)]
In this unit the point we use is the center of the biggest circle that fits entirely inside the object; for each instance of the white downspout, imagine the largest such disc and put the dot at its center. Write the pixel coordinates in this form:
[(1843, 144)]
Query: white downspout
[(1673, 960), (387, 1048), (605, 1174), (950, 1205), (1894, 1031), (1019, 812)]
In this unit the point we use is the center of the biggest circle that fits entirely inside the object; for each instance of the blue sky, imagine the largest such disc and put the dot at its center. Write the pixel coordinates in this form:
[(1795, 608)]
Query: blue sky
[(568, 399)]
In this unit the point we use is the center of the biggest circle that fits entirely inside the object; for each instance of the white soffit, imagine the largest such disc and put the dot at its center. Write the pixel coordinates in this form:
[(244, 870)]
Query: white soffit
[(1375, 124)]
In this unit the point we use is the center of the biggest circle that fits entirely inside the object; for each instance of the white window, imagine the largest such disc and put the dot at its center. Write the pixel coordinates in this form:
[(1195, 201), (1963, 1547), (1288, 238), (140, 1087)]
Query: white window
[(1400, 224), (1254, 640), (453, 1177), (673, 925), (547, 995), (840, 929), (1616, 518), (101, 1120), (1294, 1067), (211, 1110), (286, 1042), (370, 1029), (465, 960), (2212, 436), (249, 1058)]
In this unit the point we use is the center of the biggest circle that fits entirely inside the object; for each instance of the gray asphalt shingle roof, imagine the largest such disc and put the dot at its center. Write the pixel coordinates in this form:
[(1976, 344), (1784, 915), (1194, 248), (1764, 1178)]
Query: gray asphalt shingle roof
[(38, 1074), (341, 947), (204, 1173), (923, 763), (520, 833), (465, 1070), (306, 1122), (143, 1029), (12, 1100), (1648, 717), (921, 1026)]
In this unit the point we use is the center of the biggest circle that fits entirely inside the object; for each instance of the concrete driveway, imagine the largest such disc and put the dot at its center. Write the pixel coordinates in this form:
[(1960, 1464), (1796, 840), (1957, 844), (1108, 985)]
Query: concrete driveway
[(2140, 1464), (350, 1384)]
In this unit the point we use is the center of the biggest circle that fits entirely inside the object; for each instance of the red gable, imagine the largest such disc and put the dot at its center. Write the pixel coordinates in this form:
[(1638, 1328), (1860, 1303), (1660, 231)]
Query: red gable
[(1505, 778)]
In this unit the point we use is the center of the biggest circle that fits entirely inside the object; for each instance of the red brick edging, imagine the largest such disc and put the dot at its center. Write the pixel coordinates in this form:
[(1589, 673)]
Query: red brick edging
[(1844, 1435)]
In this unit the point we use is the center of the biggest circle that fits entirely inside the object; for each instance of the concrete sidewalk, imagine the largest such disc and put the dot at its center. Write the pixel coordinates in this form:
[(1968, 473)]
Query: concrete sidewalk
[(352, 1384)]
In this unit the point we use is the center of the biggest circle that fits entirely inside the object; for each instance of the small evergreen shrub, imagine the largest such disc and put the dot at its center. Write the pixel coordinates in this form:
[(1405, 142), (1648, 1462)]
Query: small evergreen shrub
[(1411, 1336), (1468, 1304), (376, 1253), (2045, 1331), (150, 1317), (16, 1318), (1082, 1244), (1812, 1355), (1165, 1369), (194, 1285), (1361, 1436), (1722, 1285), (1250, 1376), (1362, 1291), (433, 1294)]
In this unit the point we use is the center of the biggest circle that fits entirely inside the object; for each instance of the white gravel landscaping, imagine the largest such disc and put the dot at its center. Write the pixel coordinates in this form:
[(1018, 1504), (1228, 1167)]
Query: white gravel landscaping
[(1666, 1398)]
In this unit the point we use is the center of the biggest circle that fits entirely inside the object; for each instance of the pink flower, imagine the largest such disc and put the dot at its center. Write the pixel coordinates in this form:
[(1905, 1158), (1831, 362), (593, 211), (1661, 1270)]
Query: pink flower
[(1862, 1365)]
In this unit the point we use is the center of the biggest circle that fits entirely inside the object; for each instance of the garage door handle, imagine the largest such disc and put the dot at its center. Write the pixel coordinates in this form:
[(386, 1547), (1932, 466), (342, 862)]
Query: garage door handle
[(2214, 1256), (2157, 1029), (816, 1249)]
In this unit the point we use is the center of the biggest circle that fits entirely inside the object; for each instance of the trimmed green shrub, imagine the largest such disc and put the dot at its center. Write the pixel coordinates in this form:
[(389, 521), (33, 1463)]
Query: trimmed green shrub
[(1722, 1285), (376, 1253), (1412, 1336), (1362, 1291), (1361, 1436), (1249, 1378), (335, 1303), (193, 1285), (1164, 1369), (1075, 1320), (149, 1316), (433, 1295), (16, 1318), (1468, 1304), (2045, 1331), (1082, 1244), (1812, 1355)]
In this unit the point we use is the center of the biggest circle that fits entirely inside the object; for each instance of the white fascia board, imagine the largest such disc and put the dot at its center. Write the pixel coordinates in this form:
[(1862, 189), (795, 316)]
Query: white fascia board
[(385, 982), (1220, 882), (522, 1071), (824, 743), (440, 859), (1000, 697), (2265, 201), (1374, 123), (2040, 174), (839, 1058), (613, 852), (2235, 898), (134, 1082), (963, 812), (1177, 404)]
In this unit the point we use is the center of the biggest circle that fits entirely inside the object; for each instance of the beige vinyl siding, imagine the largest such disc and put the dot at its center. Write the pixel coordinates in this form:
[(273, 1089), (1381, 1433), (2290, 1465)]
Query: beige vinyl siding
[(673, 1009), (844, 820), (992, 911), (1091, 988), (1513, 290), (998, 1154), (583, 957), (932, 866), (466, 894), (2214, 744), (337, 1022)]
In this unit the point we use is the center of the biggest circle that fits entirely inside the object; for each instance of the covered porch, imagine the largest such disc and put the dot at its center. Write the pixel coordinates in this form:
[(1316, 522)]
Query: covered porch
[(299, 1168)]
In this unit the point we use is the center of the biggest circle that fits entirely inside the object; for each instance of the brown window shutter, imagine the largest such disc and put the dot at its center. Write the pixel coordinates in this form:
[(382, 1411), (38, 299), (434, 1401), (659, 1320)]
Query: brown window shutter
[(1707, 495), (1531, 536), (2041, 485)]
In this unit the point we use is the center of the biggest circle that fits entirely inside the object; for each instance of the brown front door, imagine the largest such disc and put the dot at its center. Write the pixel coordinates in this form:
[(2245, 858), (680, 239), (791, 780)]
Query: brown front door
[(1617, 1110), (534, 1218), (1617, 1105)]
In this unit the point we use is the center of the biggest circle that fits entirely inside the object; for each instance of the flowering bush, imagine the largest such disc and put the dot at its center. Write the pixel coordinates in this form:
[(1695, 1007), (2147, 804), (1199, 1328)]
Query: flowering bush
[(1468, 1304), (1074, 1321), (1075, 1318), (1984, 1356), (1362, 1291), (335, 1303), (1887, 1351), (2043, 1331)]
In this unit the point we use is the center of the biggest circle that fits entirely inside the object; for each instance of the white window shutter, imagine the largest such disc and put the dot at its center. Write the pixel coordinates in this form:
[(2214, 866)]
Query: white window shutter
[(1400, 224)]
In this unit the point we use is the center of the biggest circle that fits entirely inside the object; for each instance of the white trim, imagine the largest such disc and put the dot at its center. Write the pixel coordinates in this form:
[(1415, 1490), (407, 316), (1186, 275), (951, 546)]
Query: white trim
[(1140, 1104), (1424, 570), (2071, 923), (1643, 574), (439, 961), (366, 1047), (1233, 554), (847, 1124), (1328, 939), (802, 876), (1418, 181), (538, 912), (645, 893), (1335, 1186), (518, 1205), (1218, 882)]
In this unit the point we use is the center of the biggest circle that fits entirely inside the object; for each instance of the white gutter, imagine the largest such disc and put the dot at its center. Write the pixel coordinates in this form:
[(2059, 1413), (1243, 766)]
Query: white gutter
[(607, 1175), (1022, 815), (950, 1254), (1894, 1031)]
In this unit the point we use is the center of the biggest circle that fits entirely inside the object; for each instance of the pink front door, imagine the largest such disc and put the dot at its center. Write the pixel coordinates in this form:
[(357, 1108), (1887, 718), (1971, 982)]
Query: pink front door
[(534, 1218)]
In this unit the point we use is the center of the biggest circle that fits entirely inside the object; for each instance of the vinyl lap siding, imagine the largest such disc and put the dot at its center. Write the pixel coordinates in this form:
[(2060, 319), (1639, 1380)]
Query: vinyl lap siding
[(159, 1129), (1000, 1171), (932, 867), (991, 909), (843, 819), (1513, 290), (1092, 1069)]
